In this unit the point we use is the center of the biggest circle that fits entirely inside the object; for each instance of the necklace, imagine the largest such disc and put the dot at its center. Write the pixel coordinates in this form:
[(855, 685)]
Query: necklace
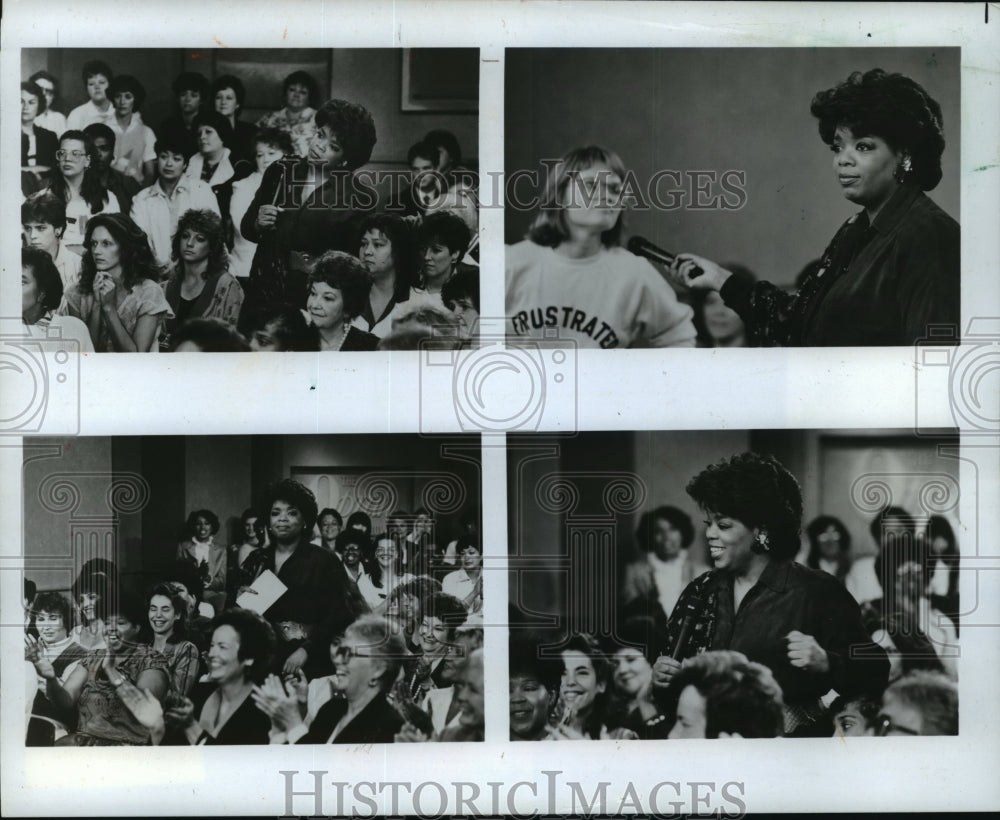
[(341, 337)]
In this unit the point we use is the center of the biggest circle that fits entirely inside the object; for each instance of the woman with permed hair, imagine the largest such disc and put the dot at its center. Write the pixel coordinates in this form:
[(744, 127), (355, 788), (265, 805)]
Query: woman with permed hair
[(338, 292), (800, 623), (305, 206), (298, 117), (200, 285), (892, 270), (118, 295), (210, 559)]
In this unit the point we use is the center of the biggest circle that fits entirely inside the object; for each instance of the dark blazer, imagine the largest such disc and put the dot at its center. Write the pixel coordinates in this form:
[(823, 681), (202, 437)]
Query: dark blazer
[(358, 339), (242, 143), (247, 726), (46, 144), (378, 722)]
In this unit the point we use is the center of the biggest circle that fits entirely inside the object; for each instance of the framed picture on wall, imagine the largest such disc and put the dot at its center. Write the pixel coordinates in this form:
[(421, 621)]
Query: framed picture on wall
[(440, 79)]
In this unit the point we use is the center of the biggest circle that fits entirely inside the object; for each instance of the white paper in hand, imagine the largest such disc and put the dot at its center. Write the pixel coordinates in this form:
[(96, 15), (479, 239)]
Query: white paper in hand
[(262, 593)]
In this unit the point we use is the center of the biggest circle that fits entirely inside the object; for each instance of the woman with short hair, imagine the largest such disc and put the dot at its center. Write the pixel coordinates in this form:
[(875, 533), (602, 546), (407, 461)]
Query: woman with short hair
[(308, 205), (800, 623), (134, 141), (228, 95), (38, 145), (366, 661), (49, 119), (390, 254), (892, 270), (297, 118), (200, 550), (338, 290)]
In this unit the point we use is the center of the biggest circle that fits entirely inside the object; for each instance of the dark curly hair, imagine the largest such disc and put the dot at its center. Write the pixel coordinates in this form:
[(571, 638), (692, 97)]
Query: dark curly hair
[(445, 227), (448, 609), (54, 603), (287, 326), (356, 537), (91, 189), (47, 278), (208, 223), (678, 519), (36, 92), (345, 273), (137, 260), (758, 491), (295, 494), (354, 127), (257, 639), (235, 83), (301, 78), (892, 107), (208, 515), (275, 138), (126, 82), (190, 81), (209, 335), (402, 237), (92, 68), (741, 696), (464, 284), (44, 206)]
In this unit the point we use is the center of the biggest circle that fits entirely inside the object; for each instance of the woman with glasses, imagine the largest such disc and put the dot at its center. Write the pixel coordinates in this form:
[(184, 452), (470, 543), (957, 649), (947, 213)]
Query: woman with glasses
[(308, 205), (366, 662), (78, 184), (571, 275), (118, 296)]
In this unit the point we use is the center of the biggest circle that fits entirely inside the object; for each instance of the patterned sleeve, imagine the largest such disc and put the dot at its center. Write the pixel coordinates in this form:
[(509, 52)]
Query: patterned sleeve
[(227, 300), (185, 671)]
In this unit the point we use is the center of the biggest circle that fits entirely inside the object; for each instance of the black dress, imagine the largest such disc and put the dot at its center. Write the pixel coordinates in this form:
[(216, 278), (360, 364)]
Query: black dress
[(378, 722)]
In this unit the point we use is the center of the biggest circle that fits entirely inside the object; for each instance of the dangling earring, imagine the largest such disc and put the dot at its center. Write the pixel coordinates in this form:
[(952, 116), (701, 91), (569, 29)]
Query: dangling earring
[(903, 170), (763, 542)]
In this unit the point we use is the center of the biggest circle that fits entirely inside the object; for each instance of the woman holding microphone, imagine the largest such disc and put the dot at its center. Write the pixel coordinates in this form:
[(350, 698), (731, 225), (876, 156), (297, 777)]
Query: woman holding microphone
[(892, 270)]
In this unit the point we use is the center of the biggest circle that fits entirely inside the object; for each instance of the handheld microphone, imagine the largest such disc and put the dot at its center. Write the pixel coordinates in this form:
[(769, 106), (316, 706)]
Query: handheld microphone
[(693, 608), (643, 247)]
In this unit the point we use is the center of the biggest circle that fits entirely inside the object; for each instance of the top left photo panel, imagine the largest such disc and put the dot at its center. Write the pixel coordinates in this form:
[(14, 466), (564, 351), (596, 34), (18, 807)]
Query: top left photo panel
[(233, 200)]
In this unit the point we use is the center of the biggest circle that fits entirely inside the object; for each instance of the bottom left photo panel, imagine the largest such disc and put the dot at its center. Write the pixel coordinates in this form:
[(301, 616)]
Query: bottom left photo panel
[(232, 590)]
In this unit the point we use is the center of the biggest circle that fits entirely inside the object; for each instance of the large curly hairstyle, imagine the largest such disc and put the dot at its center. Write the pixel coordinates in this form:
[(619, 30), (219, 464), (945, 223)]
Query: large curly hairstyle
[(353, 126), (137, 260), (890, 106), (758, 491), (210, 225)]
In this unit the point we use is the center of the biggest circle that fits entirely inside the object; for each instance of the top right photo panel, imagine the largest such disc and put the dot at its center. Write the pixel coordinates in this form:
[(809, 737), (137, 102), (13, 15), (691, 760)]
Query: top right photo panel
[(733, 197)]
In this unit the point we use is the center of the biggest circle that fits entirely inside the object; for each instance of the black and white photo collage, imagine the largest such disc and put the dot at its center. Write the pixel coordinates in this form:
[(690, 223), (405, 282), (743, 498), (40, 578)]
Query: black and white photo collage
[(637, 379)]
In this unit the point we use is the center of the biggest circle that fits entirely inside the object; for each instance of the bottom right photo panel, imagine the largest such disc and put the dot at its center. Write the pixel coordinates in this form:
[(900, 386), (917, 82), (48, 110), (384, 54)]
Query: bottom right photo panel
[(739, 583)]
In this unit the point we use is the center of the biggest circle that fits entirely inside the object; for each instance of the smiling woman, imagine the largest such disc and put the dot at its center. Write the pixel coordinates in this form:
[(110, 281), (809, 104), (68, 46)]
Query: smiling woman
[(892, 270), (800, 623)]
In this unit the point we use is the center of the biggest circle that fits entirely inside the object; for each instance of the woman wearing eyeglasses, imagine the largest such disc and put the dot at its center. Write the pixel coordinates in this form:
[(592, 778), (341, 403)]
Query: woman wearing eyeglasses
[(366, 662), (78, 184), (308, 205), (118, 295)]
